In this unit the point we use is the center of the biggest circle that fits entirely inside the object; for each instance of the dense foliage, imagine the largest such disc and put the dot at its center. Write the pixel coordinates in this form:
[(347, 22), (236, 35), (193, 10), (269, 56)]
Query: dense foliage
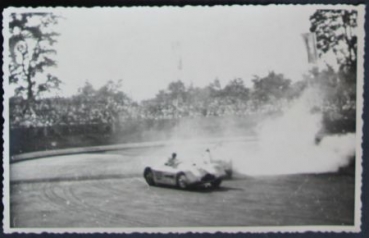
[(31, 52), (336, 32)]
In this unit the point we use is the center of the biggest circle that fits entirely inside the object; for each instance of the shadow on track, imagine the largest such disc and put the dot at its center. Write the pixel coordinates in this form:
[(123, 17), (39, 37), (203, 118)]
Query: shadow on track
[(213, 190), (201, 189)]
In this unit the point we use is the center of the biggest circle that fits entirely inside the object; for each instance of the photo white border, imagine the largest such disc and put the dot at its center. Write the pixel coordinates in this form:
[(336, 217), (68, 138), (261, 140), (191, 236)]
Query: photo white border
[(234, 229)]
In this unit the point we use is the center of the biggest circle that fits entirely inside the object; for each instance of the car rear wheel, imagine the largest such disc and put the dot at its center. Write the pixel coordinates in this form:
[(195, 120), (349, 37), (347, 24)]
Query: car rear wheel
[(149, 177), (182, 181), (229, 173), (216, 183)]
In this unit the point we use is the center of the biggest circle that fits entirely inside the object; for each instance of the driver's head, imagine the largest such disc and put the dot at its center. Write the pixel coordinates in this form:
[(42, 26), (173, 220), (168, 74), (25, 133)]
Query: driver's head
[(174, 155)]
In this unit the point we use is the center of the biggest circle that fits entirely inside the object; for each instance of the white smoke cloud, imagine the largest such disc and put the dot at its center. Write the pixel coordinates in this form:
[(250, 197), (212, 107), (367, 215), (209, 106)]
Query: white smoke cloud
[(287, 144)]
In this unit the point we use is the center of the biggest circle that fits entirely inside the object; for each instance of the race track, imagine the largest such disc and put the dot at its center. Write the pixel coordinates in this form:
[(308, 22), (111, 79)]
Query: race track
[(108, 190)]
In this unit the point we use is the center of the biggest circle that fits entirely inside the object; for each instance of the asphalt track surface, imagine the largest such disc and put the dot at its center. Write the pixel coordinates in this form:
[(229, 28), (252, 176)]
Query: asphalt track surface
[(108, 190)]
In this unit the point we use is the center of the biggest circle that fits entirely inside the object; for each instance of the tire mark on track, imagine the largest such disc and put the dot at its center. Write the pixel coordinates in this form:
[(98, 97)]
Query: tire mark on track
[(75, 178), (63, 197), (110, 214), (109, 211)]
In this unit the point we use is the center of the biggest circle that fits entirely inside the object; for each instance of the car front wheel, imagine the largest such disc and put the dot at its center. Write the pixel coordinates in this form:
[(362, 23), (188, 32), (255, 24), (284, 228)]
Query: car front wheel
[(182, 181), (149, 177), (216, 183)]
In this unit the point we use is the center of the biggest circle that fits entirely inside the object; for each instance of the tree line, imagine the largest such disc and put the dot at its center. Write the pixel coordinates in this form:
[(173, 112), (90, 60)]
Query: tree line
[(109, 104)]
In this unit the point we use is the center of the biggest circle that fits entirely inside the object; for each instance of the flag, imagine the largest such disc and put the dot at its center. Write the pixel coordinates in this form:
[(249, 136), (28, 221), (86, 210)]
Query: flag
[(310, 43)]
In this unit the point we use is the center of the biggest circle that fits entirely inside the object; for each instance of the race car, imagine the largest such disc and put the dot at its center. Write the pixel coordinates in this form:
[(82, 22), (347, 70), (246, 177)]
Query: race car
[(185, 175)]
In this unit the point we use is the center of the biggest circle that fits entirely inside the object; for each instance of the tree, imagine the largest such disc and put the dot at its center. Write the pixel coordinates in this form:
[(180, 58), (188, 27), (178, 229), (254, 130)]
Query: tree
[(31, 49), (271, 88), (106, 105), (112, 98), (236, 90), (108, 100), (177, 91), (335, 31), (87, 91), (215, 88)]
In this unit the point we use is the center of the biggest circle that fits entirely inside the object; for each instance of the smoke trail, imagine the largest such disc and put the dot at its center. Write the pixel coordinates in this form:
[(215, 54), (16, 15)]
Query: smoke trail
[(287, 145)]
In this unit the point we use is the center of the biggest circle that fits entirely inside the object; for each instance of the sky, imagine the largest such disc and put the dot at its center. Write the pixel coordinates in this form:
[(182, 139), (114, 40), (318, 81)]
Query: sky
[(147, 48)]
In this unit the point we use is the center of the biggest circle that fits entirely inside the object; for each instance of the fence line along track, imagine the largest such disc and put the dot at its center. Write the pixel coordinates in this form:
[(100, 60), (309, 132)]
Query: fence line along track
[(92, 149)]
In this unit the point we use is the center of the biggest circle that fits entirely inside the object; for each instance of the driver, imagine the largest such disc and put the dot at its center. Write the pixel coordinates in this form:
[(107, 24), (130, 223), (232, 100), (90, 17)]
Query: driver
[(207, 159), (172, 161)]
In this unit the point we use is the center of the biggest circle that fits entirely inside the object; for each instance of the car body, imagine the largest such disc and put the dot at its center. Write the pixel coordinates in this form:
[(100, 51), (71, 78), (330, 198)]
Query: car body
[(185, 174), (226, 165)]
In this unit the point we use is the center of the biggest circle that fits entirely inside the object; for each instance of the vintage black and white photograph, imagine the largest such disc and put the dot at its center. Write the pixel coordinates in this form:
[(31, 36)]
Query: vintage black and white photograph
[(183, 119)]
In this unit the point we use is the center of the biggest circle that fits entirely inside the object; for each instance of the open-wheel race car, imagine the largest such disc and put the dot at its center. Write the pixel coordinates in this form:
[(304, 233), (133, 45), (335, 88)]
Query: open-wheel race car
[(185, 175)]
